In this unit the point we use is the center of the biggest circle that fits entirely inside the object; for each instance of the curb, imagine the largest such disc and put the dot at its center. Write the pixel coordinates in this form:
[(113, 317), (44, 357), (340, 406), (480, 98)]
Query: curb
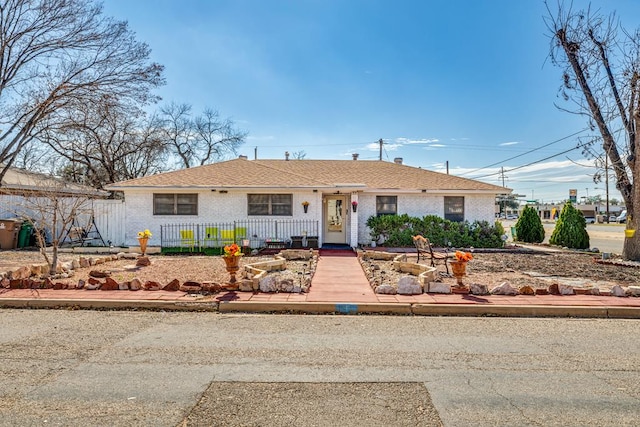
[(98, 304), (510, 310), (314, 307), (406, 309)]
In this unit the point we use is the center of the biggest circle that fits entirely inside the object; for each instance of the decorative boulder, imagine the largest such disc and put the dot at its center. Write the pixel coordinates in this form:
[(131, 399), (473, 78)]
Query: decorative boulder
[(386, 289), (565, 289), (618, 291), (245, 285), (151, 286), (526, 290), (172, 286), (409, 285), (554, 289), (135, 284), (478, 289), (268, 284), (143, 261), (634, 291), (504, 289), (439, 288), (110, 285)]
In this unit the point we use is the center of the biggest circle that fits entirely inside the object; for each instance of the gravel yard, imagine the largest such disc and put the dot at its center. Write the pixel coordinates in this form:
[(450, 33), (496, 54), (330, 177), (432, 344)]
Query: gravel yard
[(536, 270)]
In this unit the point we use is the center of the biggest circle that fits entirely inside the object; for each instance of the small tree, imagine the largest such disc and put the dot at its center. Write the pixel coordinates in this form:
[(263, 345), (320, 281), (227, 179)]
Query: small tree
[(571, 229), (529, 227)]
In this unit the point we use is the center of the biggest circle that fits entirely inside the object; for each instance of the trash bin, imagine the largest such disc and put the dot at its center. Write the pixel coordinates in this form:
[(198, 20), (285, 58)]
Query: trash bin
[(513, 234), (9, 229), (24, 235)]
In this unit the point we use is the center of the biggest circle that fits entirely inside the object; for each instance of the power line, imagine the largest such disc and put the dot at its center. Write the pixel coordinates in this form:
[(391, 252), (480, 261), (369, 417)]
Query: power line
[(528, 152), (532, 163)]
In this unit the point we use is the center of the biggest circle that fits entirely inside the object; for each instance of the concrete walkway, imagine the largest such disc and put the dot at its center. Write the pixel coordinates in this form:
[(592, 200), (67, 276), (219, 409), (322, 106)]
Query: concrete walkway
[(338, 286)]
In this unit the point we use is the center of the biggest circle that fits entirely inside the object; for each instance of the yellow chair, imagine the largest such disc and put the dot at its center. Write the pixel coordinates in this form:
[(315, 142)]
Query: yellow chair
[(241, 234), (226, 236), (187, 240), (211, 238)]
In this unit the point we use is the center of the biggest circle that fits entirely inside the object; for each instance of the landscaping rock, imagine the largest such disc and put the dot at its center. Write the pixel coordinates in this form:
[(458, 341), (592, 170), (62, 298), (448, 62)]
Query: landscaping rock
[(101, 274), (634, 291), (439, 288), (143, 261), (211, 287), (110, 285), (409, 285), (246, 285), (565, 289), (123, 286), (191, 287), (554, 289), (268, 284), (81, 284), (478, 289), (151, 286), (618, 291), (172, 286), (135, 284), (504, 289), (386, 289), (526, 290)]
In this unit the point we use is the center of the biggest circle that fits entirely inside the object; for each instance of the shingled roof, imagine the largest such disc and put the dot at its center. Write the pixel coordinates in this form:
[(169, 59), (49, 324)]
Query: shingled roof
[(317, 174)]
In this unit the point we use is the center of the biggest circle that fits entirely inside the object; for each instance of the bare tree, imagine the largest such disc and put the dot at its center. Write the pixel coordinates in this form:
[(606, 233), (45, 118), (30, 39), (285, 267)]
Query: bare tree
[(60, 55), (106, 143), (299, 155), (53, 210), (200, 140), (601, 78)]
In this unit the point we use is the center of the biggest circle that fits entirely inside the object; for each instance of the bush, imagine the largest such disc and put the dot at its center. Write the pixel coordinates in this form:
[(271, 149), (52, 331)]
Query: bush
[(529, 227), (571, 229), (397, 231)]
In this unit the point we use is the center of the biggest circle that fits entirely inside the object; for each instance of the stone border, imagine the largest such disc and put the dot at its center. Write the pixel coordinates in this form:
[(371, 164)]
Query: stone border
[(425, 274), (255, 274)]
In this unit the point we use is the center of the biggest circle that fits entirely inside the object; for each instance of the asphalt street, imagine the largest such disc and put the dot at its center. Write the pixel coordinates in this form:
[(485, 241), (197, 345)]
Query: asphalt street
[(72, 368)]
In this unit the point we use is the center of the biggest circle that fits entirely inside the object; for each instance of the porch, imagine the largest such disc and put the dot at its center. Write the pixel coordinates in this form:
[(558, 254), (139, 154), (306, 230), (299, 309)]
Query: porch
[(210, 238)]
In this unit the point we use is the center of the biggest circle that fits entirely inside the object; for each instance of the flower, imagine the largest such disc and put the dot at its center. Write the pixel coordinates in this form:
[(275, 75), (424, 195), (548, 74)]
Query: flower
[(305, 203), (144, 234), (463, 256), (354, 203), (232, 250)]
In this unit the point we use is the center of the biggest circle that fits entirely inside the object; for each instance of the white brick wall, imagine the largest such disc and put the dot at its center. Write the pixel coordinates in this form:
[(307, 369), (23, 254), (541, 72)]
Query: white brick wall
[(476, 208), (215, 207), (212, 207)]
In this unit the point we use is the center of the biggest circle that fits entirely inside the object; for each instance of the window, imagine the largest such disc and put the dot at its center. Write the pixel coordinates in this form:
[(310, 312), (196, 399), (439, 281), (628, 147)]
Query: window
[(454, 208), (386, 205), (270, 204), (175, 204)]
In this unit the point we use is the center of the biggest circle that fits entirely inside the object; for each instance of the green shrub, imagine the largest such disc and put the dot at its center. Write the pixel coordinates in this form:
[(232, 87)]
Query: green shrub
[(397, 231), (571, 229), (529, 227)]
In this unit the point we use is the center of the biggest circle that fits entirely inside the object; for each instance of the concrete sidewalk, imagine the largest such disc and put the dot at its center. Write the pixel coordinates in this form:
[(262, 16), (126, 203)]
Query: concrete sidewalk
[(339, 286)]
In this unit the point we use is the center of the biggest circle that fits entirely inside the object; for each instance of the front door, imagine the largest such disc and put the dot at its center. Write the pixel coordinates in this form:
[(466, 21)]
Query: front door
[(335, 221)]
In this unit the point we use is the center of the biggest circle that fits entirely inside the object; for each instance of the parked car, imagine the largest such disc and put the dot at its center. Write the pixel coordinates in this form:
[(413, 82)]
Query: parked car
[(622, 217), (512, 216), (613, 218), (590, 219)]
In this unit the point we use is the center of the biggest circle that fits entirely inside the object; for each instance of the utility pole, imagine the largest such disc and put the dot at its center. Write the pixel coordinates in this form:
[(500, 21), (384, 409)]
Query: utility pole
[(447, 167), (380, 142), (503, 196)]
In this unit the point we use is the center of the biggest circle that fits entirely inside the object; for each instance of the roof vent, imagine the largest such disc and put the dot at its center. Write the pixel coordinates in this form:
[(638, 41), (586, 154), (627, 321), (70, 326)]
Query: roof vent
[(397, 160), (286, 155), (242, 157), (355, 156)]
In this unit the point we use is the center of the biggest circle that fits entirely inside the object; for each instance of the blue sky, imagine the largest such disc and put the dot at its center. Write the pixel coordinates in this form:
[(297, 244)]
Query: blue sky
[(458, 81)]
